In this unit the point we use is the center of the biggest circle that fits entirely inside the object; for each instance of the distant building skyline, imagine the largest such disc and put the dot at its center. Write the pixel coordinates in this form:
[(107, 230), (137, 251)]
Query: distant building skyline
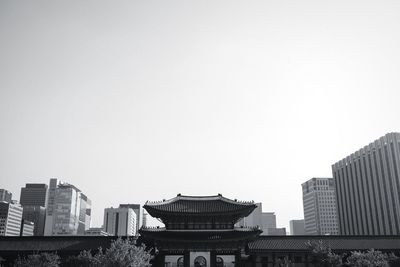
[(120, 221), (5, 195), (37, 215), (10, 218), (297, 227), (68, 211), (34, 195), (27, 228), (367, 185), (136, 209), (96, 231), (319, 204)]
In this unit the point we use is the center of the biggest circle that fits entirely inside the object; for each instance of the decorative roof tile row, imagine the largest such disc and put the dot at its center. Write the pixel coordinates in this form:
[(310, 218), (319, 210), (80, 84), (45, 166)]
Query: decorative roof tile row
[(299, 243), (198, 205)]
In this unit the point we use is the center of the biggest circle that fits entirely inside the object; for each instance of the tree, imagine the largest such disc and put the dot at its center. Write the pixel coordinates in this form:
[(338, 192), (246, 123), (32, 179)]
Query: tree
[(323, 254), (86, 259), (122, 253), (370, 258), (38, 260), (285, 262)]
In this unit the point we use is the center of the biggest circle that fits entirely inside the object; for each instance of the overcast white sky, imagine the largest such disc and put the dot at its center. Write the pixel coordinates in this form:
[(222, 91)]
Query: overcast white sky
[(140, 100)]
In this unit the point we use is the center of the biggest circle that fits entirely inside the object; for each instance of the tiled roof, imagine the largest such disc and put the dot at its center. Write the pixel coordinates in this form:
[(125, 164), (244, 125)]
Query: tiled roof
[(291, 243), (198, 205), (54, 243), (200, 235)]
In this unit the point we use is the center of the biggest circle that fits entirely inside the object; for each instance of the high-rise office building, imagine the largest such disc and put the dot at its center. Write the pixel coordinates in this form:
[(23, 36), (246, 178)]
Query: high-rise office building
[(297, 227), (265, 220), (33, 199), (275, 231), (319, 205), (5, 195), (136, 209), (268, 220), (120, 221), (96, 231), (37, 215), (253, 219), (10, 218), (368, 188), (27, 228), (268, 224), (144, 220), (68, 211), (34, 195), (53, 185)]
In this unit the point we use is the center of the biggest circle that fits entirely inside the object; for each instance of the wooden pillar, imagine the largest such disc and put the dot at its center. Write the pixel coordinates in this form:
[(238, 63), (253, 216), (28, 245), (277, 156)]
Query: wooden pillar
[(306, 260), (213, 258), (159, 260), (238, 258), (186, 258)]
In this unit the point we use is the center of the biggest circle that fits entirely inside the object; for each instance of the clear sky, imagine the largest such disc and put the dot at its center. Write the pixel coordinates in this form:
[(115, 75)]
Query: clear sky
[(140, 100)]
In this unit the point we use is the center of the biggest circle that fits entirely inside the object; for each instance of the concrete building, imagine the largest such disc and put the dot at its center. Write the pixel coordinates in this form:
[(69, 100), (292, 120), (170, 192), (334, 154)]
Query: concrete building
[(34, 195), (96, 231), (5, 195), (297, 227), (27, 228), (254, 219), (10, 218), (120, 221), (136, 209), (144, 219), (319, 205), (37, 215), (367, 184), (268, 220), (69, 210), (275, 231), (53, 185), (33, 199), (265, 220)]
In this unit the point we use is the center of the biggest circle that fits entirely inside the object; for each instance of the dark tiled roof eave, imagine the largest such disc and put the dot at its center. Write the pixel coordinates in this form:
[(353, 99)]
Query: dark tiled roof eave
[(218, 205), (336, 243), (51, 243)]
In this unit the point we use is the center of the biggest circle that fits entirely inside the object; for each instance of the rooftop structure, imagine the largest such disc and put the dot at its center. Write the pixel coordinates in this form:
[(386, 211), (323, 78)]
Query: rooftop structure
[(5, 195), (34, 195)]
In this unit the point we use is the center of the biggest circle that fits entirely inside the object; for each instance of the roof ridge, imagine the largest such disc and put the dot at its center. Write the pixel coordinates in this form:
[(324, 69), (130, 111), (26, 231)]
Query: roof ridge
[(194, 198)]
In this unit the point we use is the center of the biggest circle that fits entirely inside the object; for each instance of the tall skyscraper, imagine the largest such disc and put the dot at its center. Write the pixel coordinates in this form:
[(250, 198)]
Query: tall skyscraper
[(319, 205), (33, 199), (10, 218), (268, 220), (265, 220), (34, 195), (27, 228), (120, 221), (368, 188), (144, 220), (136, 209), (37, 215), (68, 211), (53, 185), (297, 227), (253, 219), (5, 195), (268, 224)]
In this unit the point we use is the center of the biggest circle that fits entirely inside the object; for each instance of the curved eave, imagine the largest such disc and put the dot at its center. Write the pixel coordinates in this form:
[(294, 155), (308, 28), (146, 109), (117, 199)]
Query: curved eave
[(160, 213), (199, 206), (162, 234)]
